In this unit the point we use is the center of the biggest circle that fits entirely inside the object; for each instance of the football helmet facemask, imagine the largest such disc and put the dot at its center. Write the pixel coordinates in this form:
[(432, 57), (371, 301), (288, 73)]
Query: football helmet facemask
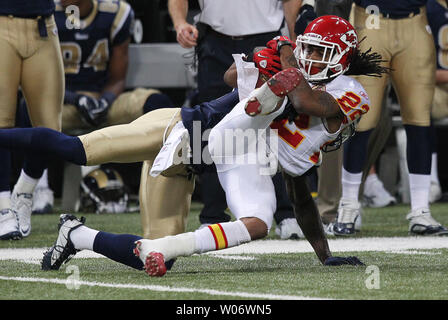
[(103, 191), (335, 39)]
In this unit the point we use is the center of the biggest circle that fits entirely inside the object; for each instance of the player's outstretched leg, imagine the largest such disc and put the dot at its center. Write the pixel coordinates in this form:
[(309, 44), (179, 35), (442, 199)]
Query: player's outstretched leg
[(154, 253), (63, 249), (74, 236), (44, 142), (265, 99)]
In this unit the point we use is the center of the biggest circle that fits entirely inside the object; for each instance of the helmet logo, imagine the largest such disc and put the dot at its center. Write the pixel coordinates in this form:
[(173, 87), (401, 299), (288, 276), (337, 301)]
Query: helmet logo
[(350, 38)]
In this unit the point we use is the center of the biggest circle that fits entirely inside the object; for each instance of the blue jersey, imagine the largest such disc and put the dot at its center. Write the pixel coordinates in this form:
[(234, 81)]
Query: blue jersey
[(438, 21), (205, 116), (86, 44), (24, 8), (394, 7)]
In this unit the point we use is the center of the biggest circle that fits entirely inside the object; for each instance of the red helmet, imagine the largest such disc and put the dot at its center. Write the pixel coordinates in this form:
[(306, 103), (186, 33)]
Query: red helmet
[(337, 41)]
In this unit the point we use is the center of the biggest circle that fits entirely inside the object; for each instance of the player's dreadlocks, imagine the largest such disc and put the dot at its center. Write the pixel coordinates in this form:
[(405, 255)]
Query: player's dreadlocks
[(366, 63)]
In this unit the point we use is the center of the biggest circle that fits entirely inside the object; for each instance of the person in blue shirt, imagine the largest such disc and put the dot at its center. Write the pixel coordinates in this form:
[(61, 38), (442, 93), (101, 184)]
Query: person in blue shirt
[(30, 60)]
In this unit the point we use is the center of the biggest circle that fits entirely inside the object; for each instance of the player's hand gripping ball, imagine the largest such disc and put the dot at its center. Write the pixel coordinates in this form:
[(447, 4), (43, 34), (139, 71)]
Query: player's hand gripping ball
[(267, 62)]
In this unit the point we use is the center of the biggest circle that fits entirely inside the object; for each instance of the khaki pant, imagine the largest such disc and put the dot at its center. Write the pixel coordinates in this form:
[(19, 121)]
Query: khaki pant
[(164, 201), (126, 108), (409, 51), (35, 65)]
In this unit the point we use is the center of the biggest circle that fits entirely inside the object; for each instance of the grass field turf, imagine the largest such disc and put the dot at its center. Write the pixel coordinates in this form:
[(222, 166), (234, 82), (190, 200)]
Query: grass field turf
[(417, 274)]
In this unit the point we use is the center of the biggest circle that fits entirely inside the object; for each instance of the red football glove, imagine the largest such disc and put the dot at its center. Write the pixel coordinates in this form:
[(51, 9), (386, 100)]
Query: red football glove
[(279, 41), (267, 62)]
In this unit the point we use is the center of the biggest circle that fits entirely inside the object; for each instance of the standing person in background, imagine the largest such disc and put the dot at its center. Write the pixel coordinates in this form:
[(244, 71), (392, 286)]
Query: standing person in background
[(31, 59), (403, 39), (224, 28), (438, 21)]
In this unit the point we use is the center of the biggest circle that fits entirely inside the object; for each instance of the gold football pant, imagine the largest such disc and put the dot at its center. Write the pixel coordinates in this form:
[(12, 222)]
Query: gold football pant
[(35, 65), (126, 108), (408, 49), (164, 201)]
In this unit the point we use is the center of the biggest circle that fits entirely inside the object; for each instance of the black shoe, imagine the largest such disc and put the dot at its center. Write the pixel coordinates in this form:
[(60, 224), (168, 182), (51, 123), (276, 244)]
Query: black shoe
[(63, 250)]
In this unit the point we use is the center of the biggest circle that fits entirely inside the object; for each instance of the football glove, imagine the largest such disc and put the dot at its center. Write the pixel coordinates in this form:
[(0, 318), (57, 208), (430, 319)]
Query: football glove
[(93, 111), (280, 41), (267, 62), (339, 261), (306, 15)]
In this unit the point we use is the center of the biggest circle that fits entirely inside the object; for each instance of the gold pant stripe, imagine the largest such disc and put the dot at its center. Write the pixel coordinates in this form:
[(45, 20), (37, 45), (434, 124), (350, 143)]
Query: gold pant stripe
[(219, 235)]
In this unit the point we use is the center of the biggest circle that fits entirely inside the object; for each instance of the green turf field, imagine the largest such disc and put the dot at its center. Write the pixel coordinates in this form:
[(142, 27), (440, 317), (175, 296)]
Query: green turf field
[(398, 266)]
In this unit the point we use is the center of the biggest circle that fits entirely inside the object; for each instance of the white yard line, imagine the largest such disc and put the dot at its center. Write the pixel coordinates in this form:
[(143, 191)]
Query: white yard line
[(159, 288), (398, 245), (393, 245)]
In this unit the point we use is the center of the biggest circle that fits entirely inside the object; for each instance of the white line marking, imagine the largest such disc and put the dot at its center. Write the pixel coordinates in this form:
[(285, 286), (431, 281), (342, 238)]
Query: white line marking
[(413, 252), (340, 245), (393, 244), (233, 257), (162, 288)]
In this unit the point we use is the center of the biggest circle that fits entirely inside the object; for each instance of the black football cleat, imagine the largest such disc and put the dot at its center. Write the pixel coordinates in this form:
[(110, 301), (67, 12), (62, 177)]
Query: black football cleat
[(63, 250)]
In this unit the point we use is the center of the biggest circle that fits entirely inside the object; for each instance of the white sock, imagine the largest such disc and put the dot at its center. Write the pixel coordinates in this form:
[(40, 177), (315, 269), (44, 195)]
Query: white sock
[(83, 238), (174, 246), (25, 183), (5, 200), (221, 236), (434, 169), (419, 185), (350, 184), (43, 181)]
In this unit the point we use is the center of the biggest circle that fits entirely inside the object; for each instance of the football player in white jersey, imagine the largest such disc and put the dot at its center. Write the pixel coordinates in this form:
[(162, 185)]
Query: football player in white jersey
[(322, 116), (315, 119)]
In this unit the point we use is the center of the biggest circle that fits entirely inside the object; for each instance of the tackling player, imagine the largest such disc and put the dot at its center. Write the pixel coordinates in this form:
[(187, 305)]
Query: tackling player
[(319, 117), (94, 47)]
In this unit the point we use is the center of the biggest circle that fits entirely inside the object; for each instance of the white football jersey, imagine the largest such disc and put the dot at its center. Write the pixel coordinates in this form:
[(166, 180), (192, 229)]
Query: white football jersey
[(300, 142)]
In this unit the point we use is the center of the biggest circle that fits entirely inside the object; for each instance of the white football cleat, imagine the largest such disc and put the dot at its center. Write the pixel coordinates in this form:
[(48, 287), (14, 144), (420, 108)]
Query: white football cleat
[(422, 223), (43, 200), (289, 229), (349, 211), (375, 195), (266, 99), (9, 225), (22, 204)]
